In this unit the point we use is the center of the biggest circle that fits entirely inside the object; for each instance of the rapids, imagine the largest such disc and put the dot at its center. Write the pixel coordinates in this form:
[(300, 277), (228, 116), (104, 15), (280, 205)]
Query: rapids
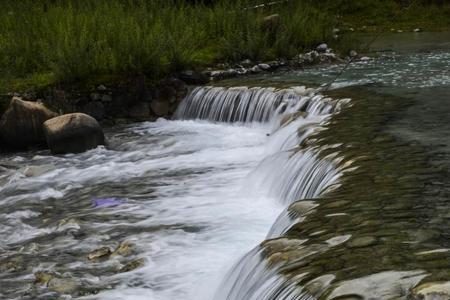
[(197, 193)]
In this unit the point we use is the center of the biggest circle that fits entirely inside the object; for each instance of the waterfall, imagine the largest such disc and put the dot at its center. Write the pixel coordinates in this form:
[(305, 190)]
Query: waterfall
[(290, 172), (246, 105)]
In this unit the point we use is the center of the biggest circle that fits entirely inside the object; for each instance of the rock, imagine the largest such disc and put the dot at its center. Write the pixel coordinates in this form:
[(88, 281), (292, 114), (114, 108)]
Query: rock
[(42, 277), (12, 265), (106, 98), (271, 22), (365, 58), (132, 265), (193, 77), (73, 133), (33, 171), (255, 69), (274, 64), (140, 110), (95, 97), (322, 47), (361, 242), (241, 71), (63, 285), (302, 207), (124, 249), (101, 87), (95, 109), (418, 30), (353, 53), (432, 291), (160, 108), (21, 124), (264, 67), (102, 252), (231, 73), (247, 63)]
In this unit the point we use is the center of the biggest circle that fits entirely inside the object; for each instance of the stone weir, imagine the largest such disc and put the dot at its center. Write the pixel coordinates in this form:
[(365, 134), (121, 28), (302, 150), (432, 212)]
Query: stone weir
[(366, 215)]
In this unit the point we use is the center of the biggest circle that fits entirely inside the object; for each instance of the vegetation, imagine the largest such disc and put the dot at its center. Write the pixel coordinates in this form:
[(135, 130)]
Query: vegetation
[(72, 39), (384, 15), (47, 41)]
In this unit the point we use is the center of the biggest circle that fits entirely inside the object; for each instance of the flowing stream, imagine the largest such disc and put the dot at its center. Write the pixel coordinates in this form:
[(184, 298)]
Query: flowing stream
[(272, 191), (194, 195)]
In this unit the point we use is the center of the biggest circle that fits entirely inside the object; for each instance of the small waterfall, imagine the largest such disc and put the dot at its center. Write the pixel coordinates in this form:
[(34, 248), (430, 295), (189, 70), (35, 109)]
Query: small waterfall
[(292, 176), (247, 105), (253, 279), (290, 172)]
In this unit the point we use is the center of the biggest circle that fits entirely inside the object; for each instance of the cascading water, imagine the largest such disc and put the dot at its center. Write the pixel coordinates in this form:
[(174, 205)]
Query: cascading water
[(288, 174), (189, 202)]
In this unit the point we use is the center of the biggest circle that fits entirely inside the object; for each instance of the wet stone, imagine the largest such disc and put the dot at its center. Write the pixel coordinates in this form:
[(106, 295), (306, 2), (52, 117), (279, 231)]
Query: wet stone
[(43, 277), (102, 252), (432, 291), (63, 285), (132, 265), (361, 242), (124, 249), (14, 264)]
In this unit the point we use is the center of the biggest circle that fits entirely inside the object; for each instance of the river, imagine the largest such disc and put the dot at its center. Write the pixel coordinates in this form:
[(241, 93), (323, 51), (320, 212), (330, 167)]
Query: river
[(194, 195)]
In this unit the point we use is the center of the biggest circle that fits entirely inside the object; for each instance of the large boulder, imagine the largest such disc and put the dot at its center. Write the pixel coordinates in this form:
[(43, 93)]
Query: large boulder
[(21, 124), (73, 133)]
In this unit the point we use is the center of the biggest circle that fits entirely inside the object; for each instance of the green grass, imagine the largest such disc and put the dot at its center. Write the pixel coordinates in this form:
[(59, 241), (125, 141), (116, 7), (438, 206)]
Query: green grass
[(384, 15), (68, 40)]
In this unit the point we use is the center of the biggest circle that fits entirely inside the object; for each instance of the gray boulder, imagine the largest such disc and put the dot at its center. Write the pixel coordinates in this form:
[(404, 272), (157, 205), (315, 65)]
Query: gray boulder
[(322, 47), (21, 124), (73, 133)]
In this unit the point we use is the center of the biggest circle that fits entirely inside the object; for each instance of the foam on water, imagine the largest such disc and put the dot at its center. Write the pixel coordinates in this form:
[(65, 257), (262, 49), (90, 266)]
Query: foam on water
[(189, 204)]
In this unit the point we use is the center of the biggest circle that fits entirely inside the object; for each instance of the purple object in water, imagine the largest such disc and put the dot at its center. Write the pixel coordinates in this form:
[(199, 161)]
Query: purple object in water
[(106, 202)]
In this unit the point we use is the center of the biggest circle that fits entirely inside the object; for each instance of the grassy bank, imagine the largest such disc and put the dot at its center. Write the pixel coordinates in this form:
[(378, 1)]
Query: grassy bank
[(51, 40), (43, 42), (387, 15)]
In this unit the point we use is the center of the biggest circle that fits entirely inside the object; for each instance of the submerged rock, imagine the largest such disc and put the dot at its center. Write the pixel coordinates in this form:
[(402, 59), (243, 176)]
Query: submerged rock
[(102, 252), (73, 133), (43, 277), (132, 265), (21, 124), (124, 249), (14, 264), (432, 291), (63, 285), (361, 242)]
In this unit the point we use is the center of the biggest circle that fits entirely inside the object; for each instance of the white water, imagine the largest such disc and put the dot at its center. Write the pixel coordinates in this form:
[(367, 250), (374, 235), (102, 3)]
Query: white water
[(199, 195)]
